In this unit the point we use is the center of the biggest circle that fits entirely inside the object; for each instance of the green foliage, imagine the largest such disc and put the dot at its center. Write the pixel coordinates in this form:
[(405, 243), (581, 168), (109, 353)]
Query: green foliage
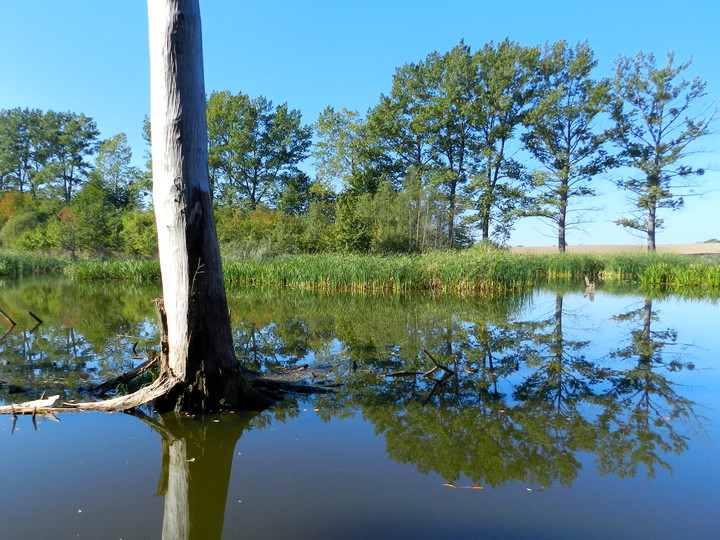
[(254, 149), (138, 234), (434, 164), (656, 120), (562, 137), (352, 226), (19, 231), (124, 183), (345, 151), (45, 153), (508, 90)]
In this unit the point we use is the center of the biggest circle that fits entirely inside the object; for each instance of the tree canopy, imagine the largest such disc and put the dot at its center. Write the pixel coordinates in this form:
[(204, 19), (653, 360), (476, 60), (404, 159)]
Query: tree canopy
[(463, 144)]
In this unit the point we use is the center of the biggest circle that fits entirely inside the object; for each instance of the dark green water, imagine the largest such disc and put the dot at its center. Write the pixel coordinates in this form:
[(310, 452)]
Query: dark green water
[(577, 418)]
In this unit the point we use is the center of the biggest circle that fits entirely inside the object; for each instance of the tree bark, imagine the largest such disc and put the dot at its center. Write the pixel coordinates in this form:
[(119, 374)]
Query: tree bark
[(652, 217), (200, 349), (562, 218)]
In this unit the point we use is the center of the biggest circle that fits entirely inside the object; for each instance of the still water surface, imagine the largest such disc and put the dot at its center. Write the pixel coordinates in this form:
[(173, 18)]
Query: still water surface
[(578, 418)]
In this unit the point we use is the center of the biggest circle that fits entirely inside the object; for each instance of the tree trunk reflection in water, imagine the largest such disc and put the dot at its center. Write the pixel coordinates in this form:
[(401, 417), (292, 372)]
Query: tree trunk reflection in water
[(196, 463)]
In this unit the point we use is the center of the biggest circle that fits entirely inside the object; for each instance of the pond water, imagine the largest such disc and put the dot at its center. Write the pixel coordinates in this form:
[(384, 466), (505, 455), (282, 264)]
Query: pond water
[(553, 415)]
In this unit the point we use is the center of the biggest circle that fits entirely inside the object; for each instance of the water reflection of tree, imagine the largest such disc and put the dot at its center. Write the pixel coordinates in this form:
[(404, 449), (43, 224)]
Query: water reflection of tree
[(197, 460), (524, 403), (643, 406), (90, 332)]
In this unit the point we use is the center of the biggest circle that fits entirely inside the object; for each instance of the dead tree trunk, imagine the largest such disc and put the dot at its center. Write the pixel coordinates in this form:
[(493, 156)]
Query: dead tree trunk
[(199, 371), (200, 351)]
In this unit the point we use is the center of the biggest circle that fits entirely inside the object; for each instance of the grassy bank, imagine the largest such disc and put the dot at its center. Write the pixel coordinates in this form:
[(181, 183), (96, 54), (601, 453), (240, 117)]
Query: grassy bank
[(473, 270), (21, 264), (138, 270)]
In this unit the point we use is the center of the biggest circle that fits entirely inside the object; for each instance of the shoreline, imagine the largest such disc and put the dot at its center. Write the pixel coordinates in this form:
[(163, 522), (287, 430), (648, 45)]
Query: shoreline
[(704, 248)]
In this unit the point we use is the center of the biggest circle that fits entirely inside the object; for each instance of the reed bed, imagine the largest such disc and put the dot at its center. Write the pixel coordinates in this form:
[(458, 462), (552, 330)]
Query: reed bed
[(21, 264), (476, 270), (137, 270)]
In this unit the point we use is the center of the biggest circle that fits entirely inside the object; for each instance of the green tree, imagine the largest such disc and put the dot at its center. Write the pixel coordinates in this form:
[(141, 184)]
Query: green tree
[(318, 225), (45, 152), (562, 135), (295, 198), (657, 119), (123, 181), (138, 233), (426, 124), (69, 139), (21, 157), (507, 91), (450, 121), (254, 148), (353, 230), (343, 151)]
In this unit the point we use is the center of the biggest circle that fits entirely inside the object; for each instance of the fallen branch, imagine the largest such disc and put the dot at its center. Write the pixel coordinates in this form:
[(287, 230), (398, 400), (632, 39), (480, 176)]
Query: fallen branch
[(6, 334), (437, 365), (124, 378), (145, 395), (162, 386), (7, 317), (405, 374), (30, 407)]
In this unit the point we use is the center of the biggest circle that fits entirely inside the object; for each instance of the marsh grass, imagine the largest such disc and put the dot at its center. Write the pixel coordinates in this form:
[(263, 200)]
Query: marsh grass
[(476, 270), (22, 264), (138, 270)]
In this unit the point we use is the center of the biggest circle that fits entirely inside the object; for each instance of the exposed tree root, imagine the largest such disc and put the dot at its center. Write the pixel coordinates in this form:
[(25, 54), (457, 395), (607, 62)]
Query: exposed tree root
[(124, 378), (242, 389), (273, 387), (160, 387)]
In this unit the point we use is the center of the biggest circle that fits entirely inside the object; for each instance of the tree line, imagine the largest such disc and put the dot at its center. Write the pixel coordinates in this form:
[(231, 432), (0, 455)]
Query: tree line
[(464, 144)]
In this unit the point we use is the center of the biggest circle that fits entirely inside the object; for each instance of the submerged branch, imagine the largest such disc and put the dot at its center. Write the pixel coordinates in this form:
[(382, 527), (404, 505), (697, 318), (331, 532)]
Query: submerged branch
[(437, 365), (124, 378)]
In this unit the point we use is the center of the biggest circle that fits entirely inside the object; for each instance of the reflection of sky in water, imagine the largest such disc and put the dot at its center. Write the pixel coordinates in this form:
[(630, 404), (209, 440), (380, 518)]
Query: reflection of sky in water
[(314, 475), (95, 476)]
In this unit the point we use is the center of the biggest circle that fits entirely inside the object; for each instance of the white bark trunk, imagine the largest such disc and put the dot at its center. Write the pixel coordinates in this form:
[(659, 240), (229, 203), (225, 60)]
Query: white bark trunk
[(200, 351), (179, 142)]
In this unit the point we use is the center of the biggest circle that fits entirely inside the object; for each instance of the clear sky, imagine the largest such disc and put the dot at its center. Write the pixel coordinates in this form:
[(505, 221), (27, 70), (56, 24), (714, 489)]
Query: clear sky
[(90, 56)]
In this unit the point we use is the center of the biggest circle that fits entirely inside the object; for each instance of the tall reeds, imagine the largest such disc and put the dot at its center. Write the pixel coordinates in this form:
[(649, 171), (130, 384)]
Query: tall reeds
[(22, 264), (478, 270), (138, 270)]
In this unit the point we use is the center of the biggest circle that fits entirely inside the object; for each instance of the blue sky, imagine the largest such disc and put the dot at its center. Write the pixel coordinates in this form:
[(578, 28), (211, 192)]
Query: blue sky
[(90, 56)]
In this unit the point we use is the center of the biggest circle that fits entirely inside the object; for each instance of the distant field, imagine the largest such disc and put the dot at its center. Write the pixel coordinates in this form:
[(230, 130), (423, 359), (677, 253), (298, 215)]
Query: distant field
[(707, 248)]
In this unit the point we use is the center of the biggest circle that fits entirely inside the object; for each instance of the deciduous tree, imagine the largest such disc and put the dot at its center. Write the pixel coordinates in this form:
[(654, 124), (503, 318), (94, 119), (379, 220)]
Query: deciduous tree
[(507, 91), (255, 148), (113, 166), (562, 135), (658, 116)]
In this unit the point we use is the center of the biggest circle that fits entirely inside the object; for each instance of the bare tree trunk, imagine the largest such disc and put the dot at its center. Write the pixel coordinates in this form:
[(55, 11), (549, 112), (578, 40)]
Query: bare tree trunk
[(451, 213), (652, 217), (562, 218), (200, 350)]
